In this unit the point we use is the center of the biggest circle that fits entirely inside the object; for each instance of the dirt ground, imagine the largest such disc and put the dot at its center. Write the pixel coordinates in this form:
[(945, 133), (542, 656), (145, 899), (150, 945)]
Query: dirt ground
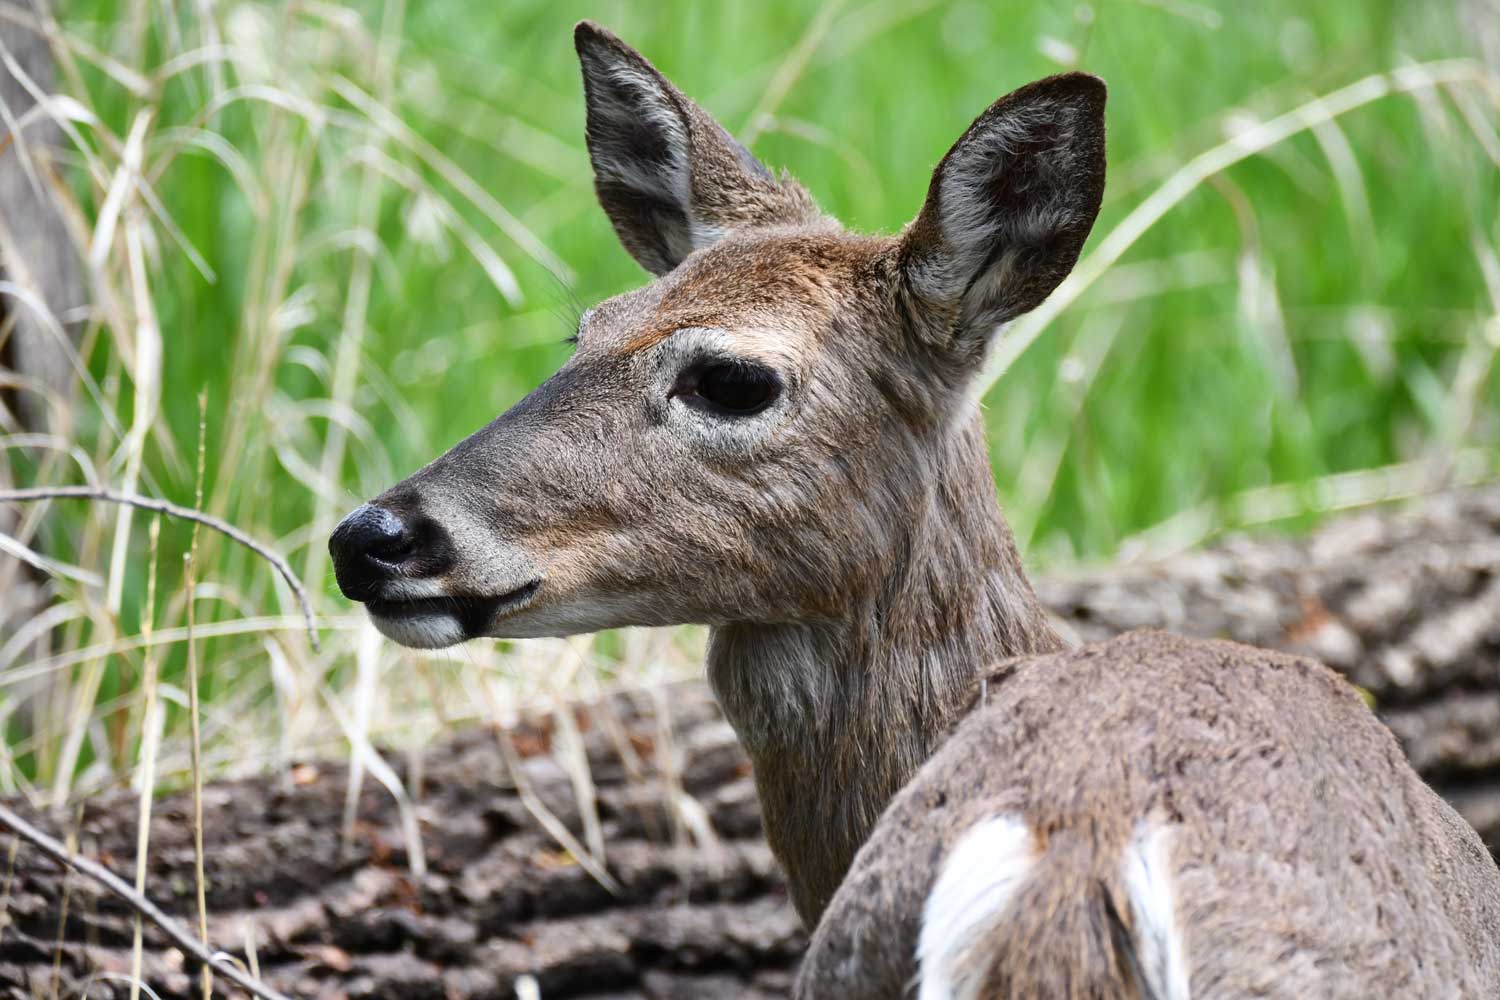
[(1407, 603)]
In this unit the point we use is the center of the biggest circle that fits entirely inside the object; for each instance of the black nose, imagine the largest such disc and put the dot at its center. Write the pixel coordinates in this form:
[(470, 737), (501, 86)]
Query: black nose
[(374, 545)]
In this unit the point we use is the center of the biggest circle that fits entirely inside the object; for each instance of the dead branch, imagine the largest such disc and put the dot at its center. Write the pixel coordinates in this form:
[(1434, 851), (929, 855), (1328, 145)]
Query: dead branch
[(173, 930), (187, 514)]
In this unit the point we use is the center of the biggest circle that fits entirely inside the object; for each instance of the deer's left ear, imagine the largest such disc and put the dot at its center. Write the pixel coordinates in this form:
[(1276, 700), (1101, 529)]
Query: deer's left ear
[(669, 177), (1008, 209)]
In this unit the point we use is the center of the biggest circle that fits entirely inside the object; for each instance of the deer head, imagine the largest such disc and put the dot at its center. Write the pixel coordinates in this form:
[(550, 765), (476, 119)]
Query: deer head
[(750, 436)]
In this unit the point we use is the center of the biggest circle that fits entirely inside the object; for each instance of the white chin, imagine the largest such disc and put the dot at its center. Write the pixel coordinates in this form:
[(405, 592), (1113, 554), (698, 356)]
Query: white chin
[(421, 631)]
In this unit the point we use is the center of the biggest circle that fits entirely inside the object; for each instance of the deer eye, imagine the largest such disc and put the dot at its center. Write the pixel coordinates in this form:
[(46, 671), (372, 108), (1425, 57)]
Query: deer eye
[(729, 388)]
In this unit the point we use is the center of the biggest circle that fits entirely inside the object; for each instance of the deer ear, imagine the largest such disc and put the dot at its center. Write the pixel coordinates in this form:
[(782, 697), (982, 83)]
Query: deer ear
[(668, 176), (1008, 209)]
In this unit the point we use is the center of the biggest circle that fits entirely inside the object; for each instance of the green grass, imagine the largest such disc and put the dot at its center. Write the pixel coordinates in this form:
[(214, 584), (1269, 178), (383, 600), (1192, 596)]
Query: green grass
[(1311, 311)]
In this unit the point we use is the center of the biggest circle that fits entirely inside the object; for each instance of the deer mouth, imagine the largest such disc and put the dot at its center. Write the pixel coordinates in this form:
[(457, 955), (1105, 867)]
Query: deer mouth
[(430, 622)]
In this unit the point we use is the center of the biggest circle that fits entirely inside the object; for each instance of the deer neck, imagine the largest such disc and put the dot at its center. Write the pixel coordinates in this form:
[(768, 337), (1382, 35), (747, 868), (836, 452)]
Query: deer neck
[(838, 715)]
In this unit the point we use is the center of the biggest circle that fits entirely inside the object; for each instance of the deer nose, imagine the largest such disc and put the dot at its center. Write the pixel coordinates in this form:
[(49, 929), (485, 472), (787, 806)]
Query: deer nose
[(374, 545)]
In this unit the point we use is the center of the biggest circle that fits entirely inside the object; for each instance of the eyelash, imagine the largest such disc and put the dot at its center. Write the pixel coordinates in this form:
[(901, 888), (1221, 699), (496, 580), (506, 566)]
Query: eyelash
[(583, 318)]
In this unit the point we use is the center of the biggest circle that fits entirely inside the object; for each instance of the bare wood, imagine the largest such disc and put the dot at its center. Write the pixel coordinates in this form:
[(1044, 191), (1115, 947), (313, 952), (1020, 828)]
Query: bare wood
[(689, 920), (34, 494), (179, 935), (41, 273)]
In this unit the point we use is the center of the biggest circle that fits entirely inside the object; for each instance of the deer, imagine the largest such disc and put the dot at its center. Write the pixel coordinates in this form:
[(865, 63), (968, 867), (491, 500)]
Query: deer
[(777, 437)]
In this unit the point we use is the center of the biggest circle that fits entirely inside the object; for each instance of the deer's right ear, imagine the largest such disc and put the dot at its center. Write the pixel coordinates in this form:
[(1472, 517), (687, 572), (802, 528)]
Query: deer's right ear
[(668, 176), (1008, 210)]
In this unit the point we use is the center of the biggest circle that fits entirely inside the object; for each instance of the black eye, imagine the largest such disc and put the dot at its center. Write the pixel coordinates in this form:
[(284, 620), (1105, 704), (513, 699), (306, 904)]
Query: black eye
[(730, 388)]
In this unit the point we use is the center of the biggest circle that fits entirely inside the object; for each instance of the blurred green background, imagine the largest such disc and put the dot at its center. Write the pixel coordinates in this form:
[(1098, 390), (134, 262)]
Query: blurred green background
[(1301, 316), (396, 225)]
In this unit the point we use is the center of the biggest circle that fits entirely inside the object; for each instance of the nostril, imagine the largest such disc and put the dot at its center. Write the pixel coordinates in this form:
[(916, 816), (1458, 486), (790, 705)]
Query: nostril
[(366, 530), (371, 538), (374, 545), (394, 545), (423, 550)]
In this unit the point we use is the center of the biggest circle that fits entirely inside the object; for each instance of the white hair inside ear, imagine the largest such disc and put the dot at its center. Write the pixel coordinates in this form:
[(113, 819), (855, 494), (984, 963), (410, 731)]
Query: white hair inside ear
[(1010, 204), (670, 178)]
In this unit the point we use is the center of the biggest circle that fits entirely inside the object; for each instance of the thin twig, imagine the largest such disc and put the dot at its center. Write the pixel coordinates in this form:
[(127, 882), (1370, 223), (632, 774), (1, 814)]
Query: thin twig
[(174, 931), (190, 570), (223, 527)]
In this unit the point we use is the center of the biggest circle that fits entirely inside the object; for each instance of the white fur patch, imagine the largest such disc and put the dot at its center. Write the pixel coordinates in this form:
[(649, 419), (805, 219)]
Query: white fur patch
[(978, 880), (740, 436), (627, 98), (1147, 873), (772, 682), (412, 589), (974, 225), (429, 631)]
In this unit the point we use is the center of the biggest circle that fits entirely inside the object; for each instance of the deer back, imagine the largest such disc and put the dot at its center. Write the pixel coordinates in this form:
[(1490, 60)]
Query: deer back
[(1158, 817)]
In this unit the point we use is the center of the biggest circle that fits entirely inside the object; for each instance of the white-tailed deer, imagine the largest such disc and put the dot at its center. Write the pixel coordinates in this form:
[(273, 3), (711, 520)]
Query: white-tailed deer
[(776, 437)]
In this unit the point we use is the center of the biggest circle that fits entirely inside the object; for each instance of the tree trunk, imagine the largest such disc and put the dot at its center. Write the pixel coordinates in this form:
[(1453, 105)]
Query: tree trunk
[(1407, 603), (38, 255)]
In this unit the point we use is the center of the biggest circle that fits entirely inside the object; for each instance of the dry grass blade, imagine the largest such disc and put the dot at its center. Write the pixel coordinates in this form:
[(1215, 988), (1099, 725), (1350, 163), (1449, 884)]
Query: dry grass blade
[(1477, 360), (366, 758), (14, 132), (36, 493), (134, 982), (145, 370), (174, 931), (63, 42), (70, 849), (10, 875), (366, 677), (1337, 492), (39, 625), (120, 186), (392, 125), (790, 69), (53, 442), (545, 818), (252, 957), (569, 748), (166, 637), (350, 349), (190, 570), (150, 733), (11, 547), (548, 820), (173, 140)]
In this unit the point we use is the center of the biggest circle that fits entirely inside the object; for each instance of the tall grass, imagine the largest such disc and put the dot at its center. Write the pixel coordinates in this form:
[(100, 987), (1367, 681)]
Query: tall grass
[(362, 231)]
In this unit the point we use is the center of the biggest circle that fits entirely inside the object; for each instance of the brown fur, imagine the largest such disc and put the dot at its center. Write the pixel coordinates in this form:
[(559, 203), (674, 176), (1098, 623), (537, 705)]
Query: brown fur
[(846, 546), (1309, 859)]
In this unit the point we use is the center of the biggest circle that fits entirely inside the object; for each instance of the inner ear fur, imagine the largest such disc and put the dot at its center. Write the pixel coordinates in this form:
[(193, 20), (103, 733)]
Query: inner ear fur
[(669, 177), (1008, 209)]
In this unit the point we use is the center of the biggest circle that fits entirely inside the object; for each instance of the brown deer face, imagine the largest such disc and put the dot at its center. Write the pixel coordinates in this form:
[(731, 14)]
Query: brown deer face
[(743, 438)]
